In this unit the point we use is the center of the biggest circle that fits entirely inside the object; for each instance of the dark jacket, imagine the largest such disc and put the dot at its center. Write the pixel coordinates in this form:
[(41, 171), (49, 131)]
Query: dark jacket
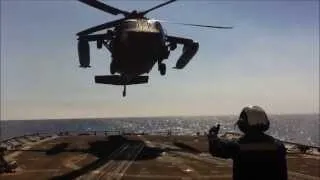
[(255, 156)]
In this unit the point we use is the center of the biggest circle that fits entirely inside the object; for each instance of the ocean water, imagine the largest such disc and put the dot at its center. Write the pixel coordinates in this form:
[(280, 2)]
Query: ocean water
[(296, 128)]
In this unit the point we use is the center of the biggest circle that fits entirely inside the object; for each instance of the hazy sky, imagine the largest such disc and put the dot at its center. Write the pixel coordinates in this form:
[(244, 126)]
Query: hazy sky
[(270, 58)]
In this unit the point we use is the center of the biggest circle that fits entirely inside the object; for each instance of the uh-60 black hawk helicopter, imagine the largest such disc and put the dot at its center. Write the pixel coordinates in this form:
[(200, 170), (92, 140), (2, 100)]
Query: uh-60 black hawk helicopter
[(136, 44)]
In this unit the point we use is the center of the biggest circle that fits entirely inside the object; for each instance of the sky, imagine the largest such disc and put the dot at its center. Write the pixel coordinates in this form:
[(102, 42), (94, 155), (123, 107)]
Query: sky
[(270, 59)]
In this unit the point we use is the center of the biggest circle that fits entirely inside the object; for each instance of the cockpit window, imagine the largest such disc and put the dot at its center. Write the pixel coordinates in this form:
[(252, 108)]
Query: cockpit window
[(141, 25)]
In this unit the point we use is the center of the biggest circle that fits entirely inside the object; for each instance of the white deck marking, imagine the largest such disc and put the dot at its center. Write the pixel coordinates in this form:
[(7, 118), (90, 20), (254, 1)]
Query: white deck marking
[(128, 164), (117, 168), (110, 165)]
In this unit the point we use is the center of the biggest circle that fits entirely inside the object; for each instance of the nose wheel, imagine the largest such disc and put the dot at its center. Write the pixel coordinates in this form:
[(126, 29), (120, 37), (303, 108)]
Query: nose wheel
[(162, 68)]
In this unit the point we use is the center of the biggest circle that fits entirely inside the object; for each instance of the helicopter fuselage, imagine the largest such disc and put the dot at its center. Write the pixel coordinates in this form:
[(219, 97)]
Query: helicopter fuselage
[(137, 45)]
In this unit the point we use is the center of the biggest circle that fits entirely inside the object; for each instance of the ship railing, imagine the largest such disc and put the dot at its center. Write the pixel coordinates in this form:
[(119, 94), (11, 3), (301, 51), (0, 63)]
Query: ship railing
[(292, 147)]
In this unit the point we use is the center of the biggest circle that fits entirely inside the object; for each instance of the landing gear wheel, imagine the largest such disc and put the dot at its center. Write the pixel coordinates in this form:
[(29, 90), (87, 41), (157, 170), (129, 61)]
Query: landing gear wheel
[(99, 44), (124, 92), (112, 68), (173, 46), (162, 69)]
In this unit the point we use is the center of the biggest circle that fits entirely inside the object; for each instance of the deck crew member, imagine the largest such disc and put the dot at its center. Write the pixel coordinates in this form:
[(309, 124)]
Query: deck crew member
[(256, 156)]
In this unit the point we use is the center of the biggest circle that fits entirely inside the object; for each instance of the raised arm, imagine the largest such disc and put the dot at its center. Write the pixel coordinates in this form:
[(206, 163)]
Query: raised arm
[(219, 147)]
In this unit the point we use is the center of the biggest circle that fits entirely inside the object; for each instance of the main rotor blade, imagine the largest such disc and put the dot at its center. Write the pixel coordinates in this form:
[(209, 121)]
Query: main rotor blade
[(208, 26), (198, 25), (100, 27), (158, 6), (104, 7)]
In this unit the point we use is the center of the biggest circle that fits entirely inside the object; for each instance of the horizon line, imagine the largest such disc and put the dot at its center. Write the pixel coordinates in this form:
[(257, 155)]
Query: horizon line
[(156, 116)]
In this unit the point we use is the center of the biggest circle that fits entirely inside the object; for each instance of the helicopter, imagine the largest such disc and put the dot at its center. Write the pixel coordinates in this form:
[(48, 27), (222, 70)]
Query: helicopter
[(136, 44)]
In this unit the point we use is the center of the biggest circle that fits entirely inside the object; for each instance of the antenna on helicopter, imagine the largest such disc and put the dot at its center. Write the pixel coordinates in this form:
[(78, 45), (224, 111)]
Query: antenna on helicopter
[(124, 92)]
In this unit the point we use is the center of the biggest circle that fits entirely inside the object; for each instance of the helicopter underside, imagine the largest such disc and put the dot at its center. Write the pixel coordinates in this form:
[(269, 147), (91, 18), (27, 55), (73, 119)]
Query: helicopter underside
[(132, 65), (134, 54), (137, 53)]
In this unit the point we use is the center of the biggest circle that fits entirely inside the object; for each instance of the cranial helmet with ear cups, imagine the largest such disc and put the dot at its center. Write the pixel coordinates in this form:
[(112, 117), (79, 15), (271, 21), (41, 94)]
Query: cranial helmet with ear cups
[(253, 119)]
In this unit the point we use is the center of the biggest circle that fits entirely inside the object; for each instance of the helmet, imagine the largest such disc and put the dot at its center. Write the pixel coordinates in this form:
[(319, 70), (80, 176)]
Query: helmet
[(253, 119)]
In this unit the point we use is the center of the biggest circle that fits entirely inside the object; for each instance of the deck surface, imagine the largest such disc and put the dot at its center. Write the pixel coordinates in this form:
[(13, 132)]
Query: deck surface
[(134, 157)]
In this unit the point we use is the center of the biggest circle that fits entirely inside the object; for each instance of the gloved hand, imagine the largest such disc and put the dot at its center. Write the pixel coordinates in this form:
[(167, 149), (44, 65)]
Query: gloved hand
[(213, 132)]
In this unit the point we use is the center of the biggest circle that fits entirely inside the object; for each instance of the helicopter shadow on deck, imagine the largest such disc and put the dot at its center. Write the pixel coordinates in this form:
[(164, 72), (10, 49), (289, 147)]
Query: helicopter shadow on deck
[(98, 148), (102, 149)]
